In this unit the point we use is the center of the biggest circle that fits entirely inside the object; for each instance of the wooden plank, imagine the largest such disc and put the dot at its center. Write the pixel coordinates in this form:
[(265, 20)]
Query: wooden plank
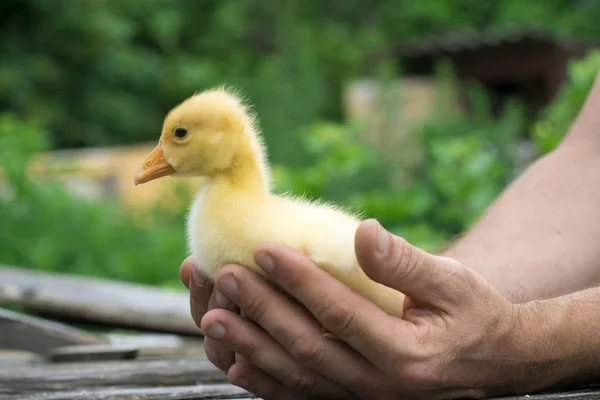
[(93, 353), (160, 344), (150, 379), (37, 335), (575, 395), (216, 391), (19, 378), (11, 357), (98, 301)]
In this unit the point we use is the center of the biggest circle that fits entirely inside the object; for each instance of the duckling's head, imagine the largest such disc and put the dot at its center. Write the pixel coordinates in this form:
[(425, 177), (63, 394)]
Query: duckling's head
[(208, 134)]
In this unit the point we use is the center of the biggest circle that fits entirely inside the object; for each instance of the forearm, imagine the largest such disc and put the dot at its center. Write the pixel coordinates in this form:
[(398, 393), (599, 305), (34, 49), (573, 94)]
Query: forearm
[(556, 340), (540, 238)]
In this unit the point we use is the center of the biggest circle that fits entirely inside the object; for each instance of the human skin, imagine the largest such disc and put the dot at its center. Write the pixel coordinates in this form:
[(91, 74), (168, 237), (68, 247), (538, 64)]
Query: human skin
[(460, 336)]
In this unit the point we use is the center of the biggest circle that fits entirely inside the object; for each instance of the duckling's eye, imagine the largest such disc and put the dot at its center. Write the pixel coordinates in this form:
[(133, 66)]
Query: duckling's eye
[(180, 133)]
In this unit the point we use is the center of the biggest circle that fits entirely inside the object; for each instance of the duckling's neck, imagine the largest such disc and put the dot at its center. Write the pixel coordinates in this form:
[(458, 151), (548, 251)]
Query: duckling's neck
[(248, 173)]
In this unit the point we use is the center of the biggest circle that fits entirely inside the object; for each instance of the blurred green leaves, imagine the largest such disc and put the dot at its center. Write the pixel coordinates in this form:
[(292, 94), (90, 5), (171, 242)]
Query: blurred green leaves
[(105, 72), (558, 117), (45, 227), (468, 160)]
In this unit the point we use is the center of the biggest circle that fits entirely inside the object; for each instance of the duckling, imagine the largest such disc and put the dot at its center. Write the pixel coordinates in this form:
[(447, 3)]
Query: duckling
[(213, 134)]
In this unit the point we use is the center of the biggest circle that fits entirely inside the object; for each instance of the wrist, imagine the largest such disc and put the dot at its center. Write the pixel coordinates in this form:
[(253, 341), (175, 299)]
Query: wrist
[(541, 346)]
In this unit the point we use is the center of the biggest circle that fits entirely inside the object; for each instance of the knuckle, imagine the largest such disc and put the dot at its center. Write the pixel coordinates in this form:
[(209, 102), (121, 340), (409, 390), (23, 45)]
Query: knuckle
[(199, 297), (337, 318), (248, 349), (216, 355), (301, 381), (306, 349), (406, 259), (257, 309), (197, 313)]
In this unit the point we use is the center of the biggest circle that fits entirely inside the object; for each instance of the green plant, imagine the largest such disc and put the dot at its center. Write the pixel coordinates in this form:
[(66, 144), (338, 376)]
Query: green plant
[(468, 160), (45, 227), (556, 119)]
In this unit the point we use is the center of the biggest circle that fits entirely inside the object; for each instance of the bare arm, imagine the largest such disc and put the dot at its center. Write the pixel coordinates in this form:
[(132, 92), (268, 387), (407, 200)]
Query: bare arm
[(557, 339), (541, 238)]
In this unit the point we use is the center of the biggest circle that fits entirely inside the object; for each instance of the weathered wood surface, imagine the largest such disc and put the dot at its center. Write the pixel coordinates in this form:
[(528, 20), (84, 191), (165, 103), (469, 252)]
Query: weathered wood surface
[(172, 378), (43, 377), (99, 301), (23, 375), (218, 391), (21, 334), (12, 357), (93, 353), (575, 395), (160, 344), (37, 335)]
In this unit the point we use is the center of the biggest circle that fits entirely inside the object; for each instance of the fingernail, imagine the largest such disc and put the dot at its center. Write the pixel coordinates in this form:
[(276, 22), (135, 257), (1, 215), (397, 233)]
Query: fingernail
[(383, 239), (240, 381), (217, 331), (228, 285), (265, 261), (221, 300), (198, 278)]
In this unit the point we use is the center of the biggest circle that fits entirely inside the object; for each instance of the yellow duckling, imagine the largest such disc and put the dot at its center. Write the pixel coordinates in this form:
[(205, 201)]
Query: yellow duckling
[(213, 134)]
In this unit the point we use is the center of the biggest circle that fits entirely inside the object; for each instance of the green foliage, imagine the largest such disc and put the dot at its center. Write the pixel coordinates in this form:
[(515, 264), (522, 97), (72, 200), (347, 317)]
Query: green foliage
[(558, 117), (468, 161), (339, 163), (46, 228), (466, 164), (105, 72)]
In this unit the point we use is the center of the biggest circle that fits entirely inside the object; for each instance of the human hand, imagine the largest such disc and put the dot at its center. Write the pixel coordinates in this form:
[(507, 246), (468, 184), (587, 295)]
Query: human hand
[(204, 297), (457, 337)]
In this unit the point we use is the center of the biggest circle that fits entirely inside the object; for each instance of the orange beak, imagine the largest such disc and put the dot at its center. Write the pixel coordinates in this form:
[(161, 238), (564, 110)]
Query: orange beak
[(155, 166)]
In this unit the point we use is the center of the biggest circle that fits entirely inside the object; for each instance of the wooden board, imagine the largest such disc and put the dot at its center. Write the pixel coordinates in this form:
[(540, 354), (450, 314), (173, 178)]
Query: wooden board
[(44, 377), (160, 344), (93, 353), (172, 378), (37, 335), (576, 395), (117, 304), (197, 392)]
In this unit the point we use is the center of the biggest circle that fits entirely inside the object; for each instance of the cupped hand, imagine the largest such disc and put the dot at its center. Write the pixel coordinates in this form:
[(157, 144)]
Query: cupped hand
[(204, 297), (455, 339)]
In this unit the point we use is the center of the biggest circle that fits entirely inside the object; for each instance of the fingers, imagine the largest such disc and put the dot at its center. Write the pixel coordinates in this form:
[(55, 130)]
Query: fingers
[(204, 297), (294, 329), (347, 315), (247, 376), (201, 291), (185, 270), (392, 261), (216, 351), (246, 338)]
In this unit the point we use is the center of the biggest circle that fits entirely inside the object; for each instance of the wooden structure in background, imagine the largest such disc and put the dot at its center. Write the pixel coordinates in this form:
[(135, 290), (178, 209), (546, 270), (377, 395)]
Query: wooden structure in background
[(108, 172), (530, 64)]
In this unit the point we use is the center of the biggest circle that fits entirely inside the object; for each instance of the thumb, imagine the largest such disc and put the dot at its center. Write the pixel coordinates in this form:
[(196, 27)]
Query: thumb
[(393, 262)]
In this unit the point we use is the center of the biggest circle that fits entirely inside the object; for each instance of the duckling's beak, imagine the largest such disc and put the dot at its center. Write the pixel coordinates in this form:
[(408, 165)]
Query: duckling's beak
[(155, 166)]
